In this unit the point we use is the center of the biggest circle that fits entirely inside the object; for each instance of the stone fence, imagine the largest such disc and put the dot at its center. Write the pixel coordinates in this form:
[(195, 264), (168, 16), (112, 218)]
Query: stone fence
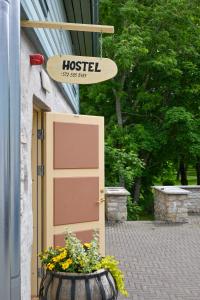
[(173, 203)]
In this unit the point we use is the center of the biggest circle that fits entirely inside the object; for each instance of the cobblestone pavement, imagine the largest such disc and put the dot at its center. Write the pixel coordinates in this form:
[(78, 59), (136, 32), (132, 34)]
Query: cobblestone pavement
[(160, 261)]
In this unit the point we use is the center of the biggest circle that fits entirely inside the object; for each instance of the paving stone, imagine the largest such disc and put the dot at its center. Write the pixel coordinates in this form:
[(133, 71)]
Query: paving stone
[(160, 261)]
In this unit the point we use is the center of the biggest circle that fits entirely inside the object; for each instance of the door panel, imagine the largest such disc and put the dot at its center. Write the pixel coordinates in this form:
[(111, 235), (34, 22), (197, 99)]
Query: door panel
[(74, 177), (84, 236), (83, 150), (76, 200)]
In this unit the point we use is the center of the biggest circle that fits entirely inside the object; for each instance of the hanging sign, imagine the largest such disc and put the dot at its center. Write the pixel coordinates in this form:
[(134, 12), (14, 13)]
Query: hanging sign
[(80, 69)]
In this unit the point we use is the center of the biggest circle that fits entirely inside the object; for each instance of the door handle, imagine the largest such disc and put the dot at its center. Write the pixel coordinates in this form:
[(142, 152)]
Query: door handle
[(101, 201)]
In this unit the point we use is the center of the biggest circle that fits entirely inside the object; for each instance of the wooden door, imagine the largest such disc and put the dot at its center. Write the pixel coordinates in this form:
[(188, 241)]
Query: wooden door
[(74, 177)]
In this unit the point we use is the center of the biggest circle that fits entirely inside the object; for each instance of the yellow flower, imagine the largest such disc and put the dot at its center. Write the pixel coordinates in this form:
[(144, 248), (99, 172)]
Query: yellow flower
[(61, 249), (63, 254), (69, 261), (50, 266), (60, 257), (87, 245), (56, 258), (65, 265)]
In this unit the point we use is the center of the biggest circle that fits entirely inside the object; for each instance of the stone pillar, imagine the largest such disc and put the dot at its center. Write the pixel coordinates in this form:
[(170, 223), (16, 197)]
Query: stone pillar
[(170, 204), (116, 204)]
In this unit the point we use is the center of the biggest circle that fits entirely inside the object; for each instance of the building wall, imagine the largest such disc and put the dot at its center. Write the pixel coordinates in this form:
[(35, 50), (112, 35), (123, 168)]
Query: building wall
[(31, 89), (52, 42)]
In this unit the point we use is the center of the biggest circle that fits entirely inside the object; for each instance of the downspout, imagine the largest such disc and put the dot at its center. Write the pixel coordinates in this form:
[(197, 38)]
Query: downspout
[(15, 108), (4, 152), (9, 151)]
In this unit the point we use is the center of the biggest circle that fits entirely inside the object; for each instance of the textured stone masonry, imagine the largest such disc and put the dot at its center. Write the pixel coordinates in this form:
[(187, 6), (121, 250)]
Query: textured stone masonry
[(173, 203), (193, 200), (116, 204)]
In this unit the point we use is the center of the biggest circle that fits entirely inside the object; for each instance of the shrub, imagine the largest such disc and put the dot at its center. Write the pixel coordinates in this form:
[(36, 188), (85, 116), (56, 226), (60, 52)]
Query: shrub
[(134, 210)]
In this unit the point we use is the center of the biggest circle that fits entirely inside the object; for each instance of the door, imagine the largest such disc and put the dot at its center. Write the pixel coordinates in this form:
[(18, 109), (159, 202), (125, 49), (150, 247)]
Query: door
[(36, 201), (74, 178)]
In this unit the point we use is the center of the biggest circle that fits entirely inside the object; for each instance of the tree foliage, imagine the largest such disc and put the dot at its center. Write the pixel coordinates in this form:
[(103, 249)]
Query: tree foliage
[(151, 108)]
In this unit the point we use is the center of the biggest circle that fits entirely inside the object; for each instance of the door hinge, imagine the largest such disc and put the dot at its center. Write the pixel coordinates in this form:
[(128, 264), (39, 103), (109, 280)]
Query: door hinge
[(40, 170), (40, 134), (40, 272)]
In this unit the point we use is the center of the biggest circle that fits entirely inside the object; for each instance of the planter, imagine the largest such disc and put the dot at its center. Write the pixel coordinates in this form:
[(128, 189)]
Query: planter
[(99, 285)]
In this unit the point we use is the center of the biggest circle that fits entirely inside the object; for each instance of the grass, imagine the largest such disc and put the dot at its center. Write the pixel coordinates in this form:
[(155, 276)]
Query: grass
[(191, 176), (192, 179)]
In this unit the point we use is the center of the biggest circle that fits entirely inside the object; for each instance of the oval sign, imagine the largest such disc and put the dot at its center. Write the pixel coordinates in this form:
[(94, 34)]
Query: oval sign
[(80, 69)]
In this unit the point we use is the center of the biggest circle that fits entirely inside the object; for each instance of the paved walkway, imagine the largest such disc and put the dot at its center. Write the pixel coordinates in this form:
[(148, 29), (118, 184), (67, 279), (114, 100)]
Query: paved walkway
[(160, 261)]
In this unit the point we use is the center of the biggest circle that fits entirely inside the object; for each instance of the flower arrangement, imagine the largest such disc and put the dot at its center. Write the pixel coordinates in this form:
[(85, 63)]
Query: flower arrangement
[(76, 257)]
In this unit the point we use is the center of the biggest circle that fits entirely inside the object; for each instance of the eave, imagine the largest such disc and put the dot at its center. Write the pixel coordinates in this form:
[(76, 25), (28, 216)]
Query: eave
[(83, 11)]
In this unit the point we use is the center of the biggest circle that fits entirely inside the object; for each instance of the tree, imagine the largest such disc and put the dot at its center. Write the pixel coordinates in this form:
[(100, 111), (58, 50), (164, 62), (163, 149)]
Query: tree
[(153, 101)]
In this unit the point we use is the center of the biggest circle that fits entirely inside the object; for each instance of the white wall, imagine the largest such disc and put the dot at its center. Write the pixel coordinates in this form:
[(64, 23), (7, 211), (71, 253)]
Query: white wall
[(30, 88)]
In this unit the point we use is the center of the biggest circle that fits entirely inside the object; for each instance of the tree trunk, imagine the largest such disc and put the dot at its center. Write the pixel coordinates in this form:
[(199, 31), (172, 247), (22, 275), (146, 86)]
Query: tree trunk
[(178, 174), (183, 173), (136, 189), (119, 114), (138, 181), (198, 171), (118, 111), (121, 181), (118, 100)]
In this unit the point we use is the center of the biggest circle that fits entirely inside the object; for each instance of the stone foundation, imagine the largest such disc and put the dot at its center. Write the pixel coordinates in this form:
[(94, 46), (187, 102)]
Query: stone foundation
[(116, 204)]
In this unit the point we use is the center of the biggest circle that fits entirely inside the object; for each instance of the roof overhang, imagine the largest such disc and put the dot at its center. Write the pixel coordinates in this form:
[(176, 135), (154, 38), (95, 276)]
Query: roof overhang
[(86, 12)]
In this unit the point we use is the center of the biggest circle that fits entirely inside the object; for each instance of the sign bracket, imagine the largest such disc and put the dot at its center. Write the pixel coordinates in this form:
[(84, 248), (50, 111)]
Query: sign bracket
[(68, 26)]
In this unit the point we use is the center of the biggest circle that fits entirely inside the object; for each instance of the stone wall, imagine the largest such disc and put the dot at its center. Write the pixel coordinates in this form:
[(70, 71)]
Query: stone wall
[(116, 204), (193, 201), (31, 90), (173, 203), (170, 204)]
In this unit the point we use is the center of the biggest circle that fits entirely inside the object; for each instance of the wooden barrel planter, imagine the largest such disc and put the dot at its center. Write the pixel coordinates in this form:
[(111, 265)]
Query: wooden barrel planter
[(99, 285)]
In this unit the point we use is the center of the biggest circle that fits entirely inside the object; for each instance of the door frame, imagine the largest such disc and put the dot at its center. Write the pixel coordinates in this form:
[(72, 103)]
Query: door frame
[(37, 196)]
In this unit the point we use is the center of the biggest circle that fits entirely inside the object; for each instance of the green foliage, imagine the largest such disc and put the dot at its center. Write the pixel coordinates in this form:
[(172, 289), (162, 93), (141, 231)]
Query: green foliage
[(168, 182), (168, 174), (111, 264), (157, 49), (84, 256), (147, 200), (134, 210), (121, 159)]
